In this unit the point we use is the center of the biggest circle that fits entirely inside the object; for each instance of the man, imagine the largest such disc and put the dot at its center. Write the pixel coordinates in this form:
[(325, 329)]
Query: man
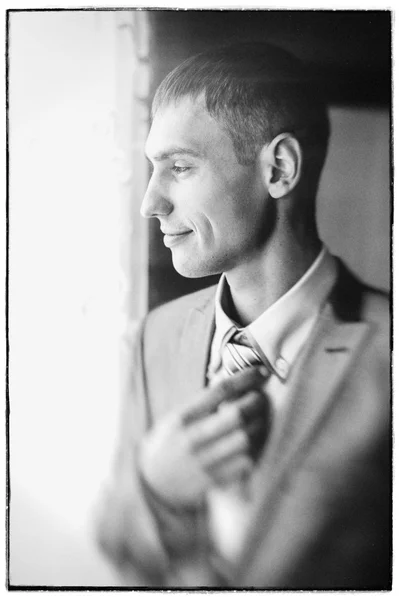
[(255, 450)]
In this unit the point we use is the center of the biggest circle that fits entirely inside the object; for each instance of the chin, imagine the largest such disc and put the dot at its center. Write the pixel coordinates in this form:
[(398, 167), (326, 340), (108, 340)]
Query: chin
[(195, 269)]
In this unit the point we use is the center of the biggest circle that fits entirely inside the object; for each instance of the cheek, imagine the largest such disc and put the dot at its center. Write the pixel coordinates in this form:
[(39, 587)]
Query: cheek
[(220, 207), (235, 209), (201, 202)]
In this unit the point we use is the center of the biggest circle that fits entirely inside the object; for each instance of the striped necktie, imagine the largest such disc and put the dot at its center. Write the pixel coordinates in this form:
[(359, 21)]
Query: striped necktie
[(239, 354)]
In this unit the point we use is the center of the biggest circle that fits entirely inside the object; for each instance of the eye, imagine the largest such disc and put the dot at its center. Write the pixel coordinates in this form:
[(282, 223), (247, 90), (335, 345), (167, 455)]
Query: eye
[(178, 169)]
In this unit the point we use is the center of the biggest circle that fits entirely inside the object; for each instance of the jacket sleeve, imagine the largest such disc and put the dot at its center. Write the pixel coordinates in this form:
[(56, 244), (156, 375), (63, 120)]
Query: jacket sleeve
[(151, 544), (125, 525)]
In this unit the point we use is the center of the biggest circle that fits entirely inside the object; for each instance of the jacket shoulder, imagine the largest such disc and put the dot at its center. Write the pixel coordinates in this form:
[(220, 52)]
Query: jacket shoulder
[(174, 313), (376, 312), (355, 300), (376, 304)]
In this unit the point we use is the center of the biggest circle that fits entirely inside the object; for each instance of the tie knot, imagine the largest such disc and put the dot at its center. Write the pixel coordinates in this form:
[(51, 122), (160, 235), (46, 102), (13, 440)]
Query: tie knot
[(239, 336), (238, 353)]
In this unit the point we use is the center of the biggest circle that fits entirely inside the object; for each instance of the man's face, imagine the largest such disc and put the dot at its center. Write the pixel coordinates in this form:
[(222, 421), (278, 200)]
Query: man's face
[(211, 209)]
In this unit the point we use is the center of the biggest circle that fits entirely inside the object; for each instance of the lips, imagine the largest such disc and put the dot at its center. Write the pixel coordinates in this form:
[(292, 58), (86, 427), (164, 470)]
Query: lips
[(173, 238)]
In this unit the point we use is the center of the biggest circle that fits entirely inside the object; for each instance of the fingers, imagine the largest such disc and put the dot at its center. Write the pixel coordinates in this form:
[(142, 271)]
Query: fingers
[(215, 426), (228, 389), (251, 406), (229, 416), (239, 384), (256, 434), (223, 449), (227, 441), (234, 469)]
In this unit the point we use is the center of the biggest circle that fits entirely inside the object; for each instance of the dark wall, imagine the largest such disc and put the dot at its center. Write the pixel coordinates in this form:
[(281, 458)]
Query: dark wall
[(349, 51)]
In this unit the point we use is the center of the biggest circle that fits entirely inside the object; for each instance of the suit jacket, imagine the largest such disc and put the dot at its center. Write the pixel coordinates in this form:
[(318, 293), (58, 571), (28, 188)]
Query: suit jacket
[(322, 512)]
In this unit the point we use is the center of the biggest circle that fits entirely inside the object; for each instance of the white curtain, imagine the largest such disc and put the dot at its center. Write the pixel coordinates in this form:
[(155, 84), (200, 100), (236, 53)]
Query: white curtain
[(78, 84)]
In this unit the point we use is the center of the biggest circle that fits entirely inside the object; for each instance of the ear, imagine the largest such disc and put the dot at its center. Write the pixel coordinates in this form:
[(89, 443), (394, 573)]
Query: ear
[(282, 164)]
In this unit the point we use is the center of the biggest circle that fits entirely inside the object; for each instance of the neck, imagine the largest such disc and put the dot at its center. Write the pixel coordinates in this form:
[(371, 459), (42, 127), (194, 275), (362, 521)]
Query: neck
[(258, 284)]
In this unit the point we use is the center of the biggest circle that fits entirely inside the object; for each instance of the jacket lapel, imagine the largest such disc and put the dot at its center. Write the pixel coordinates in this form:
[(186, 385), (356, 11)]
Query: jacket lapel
[(325, 364), (316, 379), (194, 347)]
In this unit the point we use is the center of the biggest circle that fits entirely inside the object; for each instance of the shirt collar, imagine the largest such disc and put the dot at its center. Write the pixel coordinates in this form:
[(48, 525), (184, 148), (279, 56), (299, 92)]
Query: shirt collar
[(282, 329)]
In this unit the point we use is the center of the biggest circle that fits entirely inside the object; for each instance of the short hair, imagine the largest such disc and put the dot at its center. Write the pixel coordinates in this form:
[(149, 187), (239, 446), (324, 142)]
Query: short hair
[(257, 91)]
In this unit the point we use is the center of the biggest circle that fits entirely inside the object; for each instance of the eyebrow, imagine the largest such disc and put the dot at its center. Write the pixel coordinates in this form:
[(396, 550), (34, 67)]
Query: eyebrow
[(175, 151)]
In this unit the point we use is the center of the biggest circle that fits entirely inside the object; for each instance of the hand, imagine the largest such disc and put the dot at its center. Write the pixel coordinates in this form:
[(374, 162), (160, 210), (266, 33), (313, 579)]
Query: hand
[(207, 443)]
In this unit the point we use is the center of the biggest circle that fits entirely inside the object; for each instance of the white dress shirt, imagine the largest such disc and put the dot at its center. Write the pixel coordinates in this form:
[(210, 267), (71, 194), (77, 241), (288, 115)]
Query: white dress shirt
[(280, 333)]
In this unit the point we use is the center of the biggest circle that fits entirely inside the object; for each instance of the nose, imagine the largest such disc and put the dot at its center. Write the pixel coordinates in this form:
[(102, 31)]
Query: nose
[(155, 202)]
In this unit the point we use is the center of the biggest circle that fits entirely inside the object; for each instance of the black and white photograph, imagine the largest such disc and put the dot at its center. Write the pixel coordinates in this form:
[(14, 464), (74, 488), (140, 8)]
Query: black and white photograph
[(199, 299)]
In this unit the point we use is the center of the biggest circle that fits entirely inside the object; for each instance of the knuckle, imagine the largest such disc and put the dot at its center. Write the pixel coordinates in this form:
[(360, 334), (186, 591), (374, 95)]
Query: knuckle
[(242, 441), (226, 387), (228, 412), (191, 442), (251, 404), (250, 398), (207, 399), (234, 415), (186, 415), (202, 407), (257, 395), (251, 373), (246, 464)]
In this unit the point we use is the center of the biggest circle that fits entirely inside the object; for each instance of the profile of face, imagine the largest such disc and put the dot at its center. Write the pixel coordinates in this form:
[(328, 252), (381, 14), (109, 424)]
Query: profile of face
[(212, 210)]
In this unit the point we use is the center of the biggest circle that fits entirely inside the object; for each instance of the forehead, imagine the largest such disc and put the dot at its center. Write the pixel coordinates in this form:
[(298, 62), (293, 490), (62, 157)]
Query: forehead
[(186, 124)]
